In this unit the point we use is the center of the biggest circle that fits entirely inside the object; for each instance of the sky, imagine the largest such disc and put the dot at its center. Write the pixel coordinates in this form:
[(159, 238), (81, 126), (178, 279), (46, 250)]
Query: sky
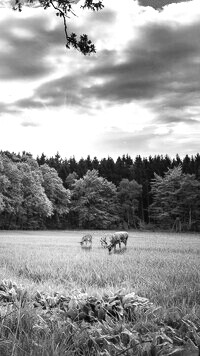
[(138, 95)]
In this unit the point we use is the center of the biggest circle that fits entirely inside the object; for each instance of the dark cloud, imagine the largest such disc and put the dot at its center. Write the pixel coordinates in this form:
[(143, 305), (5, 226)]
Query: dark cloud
[(63, 91), (171, 119), (161, 58), (7, 109), (22, 70), (159, 4), (27, 44), (160, 68)]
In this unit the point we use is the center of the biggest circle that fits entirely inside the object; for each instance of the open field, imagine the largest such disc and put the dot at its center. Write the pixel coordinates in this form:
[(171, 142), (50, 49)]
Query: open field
[(163, 267)]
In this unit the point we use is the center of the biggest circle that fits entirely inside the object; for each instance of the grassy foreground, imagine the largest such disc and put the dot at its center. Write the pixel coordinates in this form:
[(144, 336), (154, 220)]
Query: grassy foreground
[(161, 267)]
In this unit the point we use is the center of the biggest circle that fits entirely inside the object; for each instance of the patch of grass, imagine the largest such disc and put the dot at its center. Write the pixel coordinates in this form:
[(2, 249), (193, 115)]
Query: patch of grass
[(161, 267)]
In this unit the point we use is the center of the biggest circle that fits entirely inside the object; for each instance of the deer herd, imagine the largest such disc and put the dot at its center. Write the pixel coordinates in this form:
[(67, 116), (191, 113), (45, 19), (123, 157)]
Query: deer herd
[(108, 242)]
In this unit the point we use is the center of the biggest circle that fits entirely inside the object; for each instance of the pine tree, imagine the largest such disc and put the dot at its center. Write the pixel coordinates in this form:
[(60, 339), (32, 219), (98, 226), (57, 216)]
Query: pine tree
[(128, 194), (175, 196)]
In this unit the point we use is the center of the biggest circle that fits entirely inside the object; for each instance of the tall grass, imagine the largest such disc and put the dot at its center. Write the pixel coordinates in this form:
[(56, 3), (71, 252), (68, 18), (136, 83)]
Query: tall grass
[(161, 267)]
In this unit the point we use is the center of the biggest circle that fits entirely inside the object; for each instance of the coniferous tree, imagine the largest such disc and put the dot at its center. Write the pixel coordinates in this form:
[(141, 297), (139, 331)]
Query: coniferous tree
[(165, 207), (107, 169), (176, 195), (128, 194), (42, 159), (95, 163), (81, 167)]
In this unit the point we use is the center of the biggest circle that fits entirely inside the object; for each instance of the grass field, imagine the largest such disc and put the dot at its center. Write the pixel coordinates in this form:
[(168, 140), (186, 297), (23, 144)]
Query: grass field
[(163, 267), (160, 266)]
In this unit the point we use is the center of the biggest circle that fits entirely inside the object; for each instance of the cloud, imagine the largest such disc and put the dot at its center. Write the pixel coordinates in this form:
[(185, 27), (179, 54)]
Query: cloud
[(152, 139), (25, 46), (29, 124), (146, 140), (174, 120), (161, 68), (7, 109), (103, 17), (157, 68), (159, 4)]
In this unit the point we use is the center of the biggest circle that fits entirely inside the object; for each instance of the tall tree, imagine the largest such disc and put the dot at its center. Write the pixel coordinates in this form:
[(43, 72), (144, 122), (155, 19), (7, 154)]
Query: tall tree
[(55, 191), (24, 203), (10, 192), (94, 202), (107, 169), (176, 195), (189, 201), (41, 160), (128, 194), (165, 206), (35, 205), (95, 163)]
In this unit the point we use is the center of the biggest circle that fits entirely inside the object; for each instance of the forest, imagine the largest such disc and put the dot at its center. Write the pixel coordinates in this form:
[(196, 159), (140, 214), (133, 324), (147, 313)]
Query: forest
[(154, 193)]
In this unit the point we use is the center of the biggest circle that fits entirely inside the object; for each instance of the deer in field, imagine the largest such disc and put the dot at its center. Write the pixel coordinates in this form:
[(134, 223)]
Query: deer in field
[(87, 239), (116, 239)]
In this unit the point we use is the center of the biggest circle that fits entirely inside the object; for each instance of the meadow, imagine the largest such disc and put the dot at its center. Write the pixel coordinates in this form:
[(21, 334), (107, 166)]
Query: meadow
[(163, 267), (160, 266)]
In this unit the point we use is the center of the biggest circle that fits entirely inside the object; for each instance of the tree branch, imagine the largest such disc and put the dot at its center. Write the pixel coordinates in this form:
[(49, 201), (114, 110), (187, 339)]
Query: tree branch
[(63, 8)]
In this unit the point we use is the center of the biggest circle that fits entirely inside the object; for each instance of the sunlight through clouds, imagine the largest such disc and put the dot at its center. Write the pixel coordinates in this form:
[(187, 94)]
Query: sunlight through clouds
[(139, 94)]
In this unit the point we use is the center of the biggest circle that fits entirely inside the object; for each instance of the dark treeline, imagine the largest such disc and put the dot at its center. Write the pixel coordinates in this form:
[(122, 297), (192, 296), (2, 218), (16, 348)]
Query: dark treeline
[(92, 193), (140, 169)]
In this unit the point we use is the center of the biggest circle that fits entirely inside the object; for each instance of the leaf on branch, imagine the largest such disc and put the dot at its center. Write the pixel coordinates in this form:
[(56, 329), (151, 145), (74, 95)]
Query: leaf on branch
[(83, 44), (64, 9), (89, 4), (17, 5)]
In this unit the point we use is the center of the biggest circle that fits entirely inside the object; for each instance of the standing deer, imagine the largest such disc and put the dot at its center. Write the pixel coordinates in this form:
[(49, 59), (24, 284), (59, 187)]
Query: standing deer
[(116, 239)]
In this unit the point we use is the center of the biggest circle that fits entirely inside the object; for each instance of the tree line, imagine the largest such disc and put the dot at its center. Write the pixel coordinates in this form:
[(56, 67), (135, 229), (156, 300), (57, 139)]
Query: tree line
[(55, 193)]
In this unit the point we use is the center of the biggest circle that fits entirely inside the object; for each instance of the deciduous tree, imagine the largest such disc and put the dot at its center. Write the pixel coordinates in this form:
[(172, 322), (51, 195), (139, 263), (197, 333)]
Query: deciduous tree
[(23, 201), (94, 202), (55, 191), (10, 192), (35, 205)]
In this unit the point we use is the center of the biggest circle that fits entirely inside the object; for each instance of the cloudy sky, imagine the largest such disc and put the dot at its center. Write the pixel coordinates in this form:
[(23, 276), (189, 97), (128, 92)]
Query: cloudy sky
[(139, 94)]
